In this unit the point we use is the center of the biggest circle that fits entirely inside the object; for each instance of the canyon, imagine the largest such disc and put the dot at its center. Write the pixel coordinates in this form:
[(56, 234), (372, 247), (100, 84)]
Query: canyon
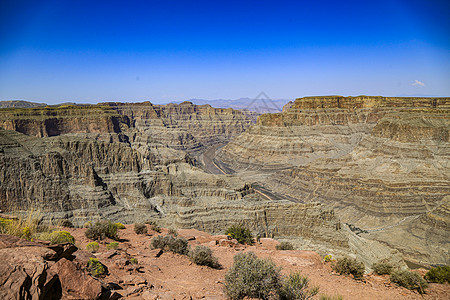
[(362, 175)]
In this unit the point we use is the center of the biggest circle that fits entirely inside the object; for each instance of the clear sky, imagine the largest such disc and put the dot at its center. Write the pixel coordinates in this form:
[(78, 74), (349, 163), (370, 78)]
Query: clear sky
[(92, 51)]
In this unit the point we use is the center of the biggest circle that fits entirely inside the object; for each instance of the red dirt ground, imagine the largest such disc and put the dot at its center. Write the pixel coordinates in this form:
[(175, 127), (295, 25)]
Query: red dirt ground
[(173, 276)]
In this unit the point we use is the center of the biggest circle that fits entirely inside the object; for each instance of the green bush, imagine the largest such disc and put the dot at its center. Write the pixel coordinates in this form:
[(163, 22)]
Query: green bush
[(112, 246), (241, 233), (101, 230), (348, 266), (382, 268), (60, 237), (119, 225), (92, 247), (439, 274), (328, 258), (285, 246), (202, 255), (170, 243), (252, 277), (295, 286), (140, 228), (96, 268), (154, 226), (134, 261), (409, 280)]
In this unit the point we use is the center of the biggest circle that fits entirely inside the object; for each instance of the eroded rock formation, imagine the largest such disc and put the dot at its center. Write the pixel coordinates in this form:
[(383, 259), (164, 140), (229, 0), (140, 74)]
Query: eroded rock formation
[(380, 163)]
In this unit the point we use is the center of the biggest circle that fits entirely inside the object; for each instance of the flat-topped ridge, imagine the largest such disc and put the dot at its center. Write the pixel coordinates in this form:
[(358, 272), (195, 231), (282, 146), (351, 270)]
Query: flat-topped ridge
[(320, 102)]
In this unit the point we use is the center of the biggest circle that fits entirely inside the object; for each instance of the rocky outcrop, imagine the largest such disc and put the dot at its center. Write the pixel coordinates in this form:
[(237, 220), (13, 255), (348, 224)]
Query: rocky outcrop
[(31, 270), (57, 120), (380, 163), (184, 126), (315, 127)]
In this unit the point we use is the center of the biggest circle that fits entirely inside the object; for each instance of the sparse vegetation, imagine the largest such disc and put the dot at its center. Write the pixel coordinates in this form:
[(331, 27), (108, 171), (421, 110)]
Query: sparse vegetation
[(173, 232), (439, 274), (59, 237), (325, 297), (101, 230), (409, 280), (328, 258), (252, 277), (347, 266), (96, 268), (382, 268), (92, 247), (119, 225), (241, 233), (285, 246), (296, 286), (154, 226), (202, 255), (65, 223), (134, 261), (170, 243), (112, 246), (140, 228), (26, 227)]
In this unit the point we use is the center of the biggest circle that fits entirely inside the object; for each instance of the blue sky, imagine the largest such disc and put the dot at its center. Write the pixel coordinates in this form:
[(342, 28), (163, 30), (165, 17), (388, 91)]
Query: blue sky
[(93, 51)]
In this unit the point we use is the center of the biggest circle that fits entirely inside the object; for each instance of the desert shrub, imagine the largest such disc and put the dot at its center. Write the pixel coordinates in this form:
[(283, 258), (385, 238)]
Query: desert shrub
[(328, 258), (177, 245), (101, 230), (173, 232), (168, 242), (92, 247), (348, 266), (140, 228), (252, 277), (65, 223), (96, 268), (409, 280), (439, 274), (158, 242), (134, 261), (241, 233), (112, 246), (325, 297), (155, 227), (26, 233), (119, 225), (285, 246), (382, 268), (295, 286), (87, 224), (59, 237), (202, 255)]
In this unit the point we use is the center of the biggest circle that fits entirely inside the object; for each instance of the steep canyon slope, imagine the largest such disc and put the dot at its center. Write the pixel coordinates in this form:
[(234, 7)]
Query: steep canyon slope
[(133, 163), (381, 163)]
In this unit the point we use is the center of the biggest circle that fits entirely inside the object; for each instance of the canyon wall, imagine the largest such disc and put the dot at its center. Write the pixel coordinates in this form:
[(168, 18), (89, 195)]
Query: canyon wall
[(380, 163)]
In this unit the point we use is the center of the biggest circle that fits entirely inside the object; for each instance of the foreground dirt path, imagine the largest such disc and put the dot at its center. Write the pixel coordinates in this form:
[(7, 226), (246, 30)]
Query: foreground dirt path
[(173, 276)]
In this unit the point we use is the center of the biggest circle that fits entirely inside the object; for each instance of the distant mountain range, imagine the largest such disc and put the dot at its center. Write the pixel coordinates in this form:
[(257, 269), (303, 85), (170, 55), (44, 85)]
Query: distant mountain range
[(257, 105), (20, 104)]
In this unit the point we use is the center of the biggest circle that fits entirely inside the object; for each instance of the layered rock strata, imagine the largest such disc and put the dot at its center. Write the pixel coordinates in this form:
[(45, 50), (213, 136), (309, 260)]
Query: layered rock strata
[(381, 163)]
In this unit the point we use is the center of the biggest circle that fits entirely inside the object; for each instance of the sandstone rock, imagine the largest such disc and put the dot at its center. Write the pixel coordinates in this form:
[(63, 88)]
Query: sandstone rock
[(24, 274), (75, 283)]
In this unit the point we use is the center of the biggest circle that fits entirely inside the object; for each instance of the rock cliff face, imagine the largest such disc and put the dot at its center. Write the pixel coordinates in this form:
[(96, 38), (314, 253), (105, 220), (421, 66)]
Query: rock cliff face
[(108, 161), (380, 163), (184, 126)]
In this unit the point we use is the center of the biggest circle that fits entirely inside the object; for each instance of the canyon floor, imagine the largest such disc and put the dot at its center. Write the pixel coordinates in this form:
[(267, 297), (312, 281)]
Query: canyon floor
[(174, 276)]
